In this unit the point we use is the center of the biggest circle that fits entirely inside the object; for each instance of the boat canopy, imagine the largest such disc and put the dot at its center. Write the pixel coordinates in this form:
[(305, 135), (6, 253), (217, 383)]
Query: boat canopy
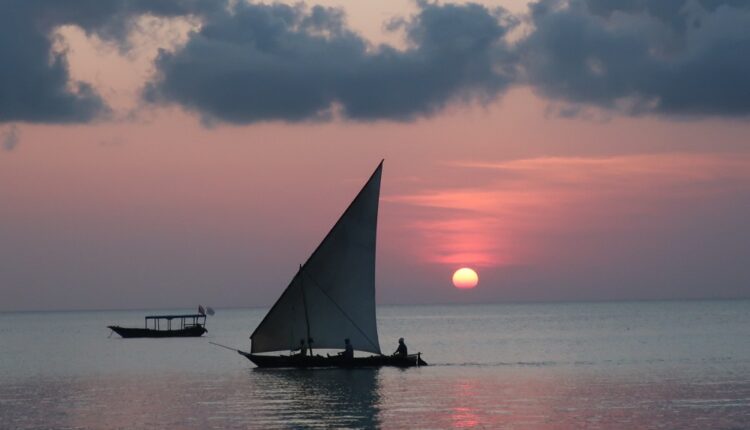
[(184, 320), (332, 296), (169, 317)]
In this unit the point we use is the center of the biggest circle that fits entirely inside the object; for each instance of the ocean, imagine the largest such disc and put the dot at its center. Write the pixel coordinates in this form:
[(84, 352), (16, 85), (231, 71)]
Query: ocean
[(618, 365)]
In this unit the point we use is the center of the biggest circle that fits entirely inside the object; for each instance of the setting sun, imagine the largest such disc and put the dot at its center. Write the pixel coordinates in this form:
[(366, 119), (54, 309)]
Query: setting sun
[(465, 278)]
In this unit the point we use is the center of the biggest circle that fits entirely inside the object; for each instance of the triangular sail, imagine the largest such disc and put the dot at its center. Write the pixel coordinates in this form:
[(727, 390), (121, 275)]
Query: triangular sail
[(332, 296)]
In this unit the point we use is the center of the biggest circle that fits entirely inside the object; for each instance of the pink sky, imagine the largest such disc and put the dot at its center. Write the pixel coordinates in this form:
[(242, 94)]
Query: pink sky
[(162, 210)]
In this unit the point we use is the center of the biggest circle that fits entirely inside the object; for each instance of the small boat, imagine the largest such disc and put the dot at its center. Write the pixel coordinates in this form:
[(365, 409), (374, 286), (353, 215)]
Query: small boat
[(186, 325), (331, 298)]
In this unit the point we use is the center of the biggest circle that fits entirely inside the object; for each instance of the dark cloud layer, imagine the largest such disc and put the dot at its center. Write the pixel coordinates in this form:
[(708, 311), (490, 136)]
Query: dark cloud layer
[(35, 83), (675, 13), (674, 57), (33, 80), (262, 62), (253, 62)]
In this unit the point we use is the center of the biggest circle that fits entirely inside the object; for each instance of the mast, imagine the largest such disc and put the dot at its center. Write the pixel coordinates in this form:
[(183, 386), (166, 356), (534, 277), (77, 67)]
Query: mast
[(307, 316)]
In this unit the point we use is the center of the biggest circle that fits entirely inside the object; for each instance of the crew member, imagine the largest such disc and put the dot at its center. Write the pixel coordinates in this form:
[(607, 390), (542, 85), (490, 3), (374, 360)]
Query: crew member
[(401, 351), (302, 348), (348, 352)]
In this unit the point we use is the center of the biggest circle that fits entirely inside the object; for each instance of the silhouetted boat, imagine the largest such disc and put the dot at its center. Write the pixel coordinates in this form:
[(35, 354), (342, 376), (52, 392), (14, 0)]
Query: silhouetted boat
[(333, 360), (187, 325), (331, 298)]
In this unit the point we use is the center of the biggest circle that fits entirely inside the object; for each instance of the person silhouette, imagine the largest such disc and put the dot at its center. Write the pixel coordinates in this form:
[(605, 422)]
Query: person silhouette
[(302, 348), (401, 351), (348, 352)]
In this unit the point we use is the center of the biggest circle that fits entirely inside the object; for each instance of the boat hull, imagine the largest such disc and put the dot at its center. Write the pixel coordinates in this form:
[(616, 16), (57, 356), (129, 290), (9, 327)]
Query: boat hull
[(128, 332), (277, 361)]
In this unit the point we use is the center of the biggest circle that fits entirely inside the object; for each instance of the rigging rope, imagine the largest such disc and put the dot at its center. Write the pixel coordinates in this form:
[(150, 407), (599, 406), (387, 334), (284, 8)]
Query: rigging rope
[(377, 347)]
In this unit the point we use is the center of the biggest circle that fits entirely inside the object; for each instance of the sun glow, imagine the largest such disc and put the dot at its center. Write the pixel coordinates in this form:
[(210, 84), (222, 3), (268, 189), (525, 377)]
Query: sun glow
[(465, 278)]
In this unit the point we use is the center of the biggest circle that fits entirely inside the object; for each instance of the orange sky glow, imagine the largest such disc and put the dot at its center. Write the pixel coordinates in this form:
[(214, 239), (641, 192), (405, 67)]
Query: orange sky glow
[(127, 210)]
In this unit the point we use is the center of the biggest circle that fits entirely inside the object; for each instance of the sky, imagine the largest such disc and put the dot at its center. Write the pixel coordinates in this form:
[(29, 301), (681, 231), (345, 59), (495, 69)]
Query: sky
[(165, 154)]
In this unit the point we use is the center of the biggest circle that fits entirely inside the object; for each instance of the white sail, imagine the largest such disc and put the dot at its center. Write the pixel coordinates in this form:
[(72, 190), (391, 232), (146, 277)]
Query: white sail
[(332, 296)]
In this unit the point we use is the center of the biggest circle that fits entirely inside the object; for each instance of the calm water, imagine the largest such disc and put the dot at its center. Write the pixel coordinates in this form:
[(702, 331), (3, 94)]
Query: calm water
[(527, 366)]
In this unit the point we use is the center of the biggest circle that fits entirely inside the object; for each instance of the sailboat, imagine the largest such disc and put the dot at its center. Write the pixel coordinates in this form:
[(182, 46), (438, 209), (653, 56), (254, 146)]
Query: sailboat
[(331, 299)]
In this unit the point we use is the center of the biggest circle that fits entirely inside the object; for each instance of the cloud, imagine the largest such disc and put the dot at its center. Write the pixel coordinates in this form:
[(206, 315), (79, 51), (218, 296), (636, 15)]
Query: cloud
[(250, 62), (10, 138), (683, 58), (260, 62), (672, 57), (35, 83)]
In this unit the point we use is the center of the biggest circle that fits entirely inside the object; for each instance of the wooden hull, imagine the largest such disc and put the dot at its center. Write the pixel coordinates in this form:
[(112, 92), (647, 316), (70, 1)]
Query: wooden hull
[(195, 331), (333, 361)]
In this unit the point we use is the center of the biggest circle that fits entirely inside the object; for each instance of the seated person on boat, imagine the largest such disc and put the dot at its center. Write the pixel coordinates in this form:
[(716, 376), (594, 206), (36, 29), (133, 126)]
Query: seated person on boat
[(401, 351), (303, 349), (348, 352)]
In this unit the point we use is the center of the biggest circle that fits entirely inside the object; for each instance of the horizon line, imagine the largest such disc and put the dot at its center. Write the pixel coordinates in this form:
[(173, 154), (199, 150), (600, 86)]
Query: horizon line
[(509, 302)]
